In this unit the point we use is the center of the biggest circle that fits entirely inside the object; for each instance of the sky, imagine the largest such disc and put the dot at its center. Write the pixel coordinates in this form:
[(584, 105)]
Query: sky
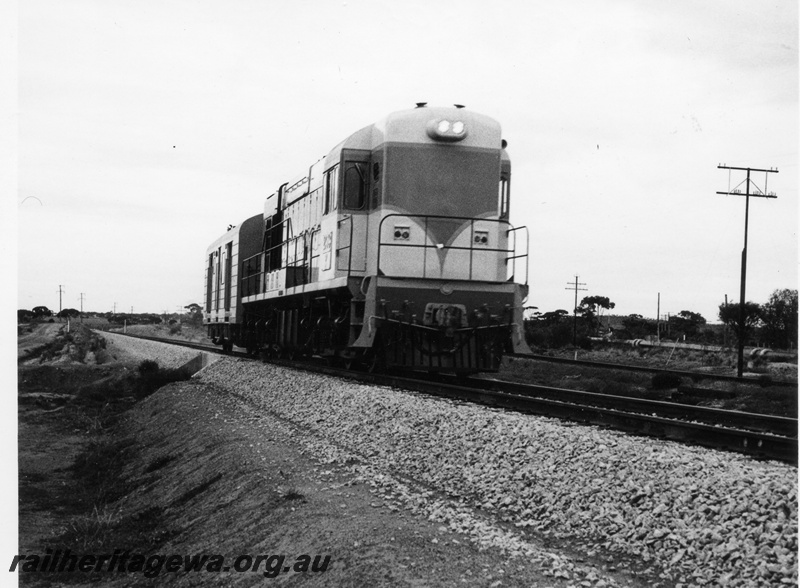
[(145, 128)]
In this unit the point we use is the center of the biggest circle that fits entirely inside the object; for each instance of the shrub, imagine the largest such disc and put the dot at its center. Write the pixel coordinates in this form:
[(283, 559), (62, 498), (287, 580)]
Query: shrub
[(664, 381), (152, 377), (148, 366)]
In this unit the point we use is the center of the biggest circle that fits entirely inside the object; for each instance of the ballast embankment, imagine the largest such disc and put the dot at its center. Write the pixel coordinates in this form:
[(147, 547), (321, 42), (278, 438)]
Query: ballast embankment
[(690, 514)]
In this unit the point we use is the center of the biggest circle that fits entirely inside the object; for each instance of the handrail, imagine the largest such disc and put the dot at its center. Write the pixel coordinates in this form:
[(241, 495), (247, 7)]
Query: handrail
[(349, 247), (247, 278), (255, 268), (514, 249), (258, 276), (510, 251), (311, 234)]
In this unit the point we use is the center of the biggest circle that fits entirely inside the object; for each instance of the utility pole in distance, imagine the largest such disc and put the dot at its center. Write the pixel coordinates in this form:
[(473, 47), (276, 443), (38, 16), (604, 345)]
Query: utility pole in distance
[(659, 318), (82, 295), (747, 194), (575, 311), (60, 292)]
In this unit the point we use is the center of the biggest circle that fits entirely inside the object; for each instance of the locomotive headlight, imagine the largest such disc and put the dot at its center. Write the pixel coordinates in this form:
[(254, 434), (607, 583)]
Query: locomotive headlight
[(402, 233), (445, 130)]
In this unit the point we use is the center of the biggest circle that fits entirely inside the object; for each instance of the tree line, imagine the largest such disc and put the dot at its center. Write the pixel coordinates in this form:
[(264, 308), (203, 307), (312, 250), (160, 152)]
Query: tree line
[(772, 324), (194, 315)]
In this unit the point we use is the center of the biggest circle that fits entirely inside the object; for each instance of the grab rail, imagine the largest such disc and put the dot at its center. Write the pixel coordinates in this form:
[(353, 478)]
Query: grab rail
[(423, 219)]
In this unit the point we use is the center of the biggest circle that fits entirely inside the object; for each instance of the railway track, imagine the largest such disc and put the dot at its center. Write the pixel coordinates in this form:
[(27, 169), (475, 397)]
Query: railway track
[(757, 435), (645, 369)]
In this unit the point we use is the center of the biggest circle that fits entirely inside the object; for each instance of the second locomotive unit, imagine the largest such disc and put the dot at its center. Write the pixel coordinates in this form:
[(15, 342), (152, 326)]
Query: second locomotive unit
[(395, 250)]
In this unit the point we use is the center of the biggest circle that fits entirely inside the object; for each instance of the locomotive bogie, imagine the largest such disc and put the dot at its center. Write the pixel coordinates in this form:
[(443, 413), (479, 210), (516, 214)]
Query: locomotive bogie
[(445, 315)]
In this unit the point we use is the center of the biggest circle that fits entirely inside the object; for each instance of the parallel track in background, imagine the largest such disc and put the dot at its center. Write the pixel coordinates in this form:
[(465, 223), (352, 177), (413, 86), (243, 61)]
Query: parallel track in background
[(694, 375), (757, 435)]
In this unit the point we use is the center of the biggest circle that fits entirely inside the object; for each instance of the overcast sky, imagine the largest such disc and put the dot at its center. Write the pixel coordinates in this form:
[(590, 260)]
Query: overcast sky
[(147, 127)]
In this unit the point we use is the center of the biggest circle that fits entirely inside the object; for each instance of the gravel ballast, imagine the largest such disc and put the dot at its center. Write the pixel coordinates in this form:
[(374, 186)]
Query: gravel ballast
[(691, 515), (132, 349)]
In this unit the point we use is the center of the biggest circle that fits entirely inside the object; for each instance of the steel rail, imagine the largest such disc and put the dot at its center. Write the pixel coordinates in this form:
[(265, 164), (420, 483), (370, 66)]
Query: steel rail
[(686, 412), (647, 369), (735, 431)]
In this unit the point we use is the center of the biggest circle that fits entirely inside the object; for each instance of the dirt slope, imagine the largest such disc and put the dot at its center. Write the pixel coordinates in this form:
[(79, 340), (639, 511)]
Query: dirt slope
[(189, 470)]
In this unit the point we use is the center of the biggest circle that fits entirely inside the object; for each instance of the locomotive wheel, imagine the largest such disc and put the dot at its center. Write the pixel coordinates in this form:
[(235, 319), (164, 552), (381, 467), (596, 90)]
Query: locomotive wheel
[(348, 361), (375, 361), (373, 366), (375, 357)]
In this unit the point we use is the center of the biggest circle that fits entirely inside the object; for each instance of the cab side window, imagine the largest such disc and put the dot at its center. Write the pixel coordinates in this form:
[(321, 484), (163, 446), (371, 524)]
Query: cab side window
[(503, 197), (355, 185), (331, 189)]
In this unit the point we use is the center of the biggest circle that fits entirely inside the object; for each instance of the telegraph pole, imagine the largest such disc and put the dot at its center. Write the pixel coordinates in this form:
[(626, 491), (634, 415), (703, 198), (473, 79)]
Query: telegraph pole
[(725, 326), (658, 319), (747, 194), (575, 312), (82, 295), (60, 292)]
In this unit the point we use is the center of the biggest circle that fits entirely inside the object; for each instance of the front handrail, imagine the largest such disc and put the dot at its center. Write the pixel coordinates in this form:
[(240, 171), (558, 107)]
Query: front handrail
[(254, 268), (513, 233), (423, 219)]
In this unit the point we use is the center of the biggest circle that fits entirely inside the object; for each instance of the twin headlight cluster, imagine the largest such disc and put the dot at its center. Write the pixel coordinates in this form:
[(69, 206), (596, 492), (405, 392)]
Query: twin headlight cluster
[(403, 233), (446, 130)]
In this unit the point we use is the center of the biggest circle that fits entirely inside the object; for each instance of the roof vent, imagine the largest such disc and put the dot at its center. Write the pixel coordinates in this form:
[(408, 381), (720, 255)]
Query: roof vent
[(458, 105), (421, 104)]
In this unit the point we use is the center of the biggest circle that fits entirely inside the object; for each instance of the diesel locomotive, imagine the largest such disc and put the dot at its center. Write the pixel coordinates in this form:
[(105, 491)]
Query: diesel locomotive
[(393, 250)]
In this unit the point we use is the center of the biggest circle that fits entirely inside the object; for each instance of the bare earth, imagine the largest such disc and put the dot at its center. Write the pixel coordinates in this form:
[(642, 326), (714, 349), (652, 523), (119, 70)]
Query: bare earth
[(193, 471), (35, 338)]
